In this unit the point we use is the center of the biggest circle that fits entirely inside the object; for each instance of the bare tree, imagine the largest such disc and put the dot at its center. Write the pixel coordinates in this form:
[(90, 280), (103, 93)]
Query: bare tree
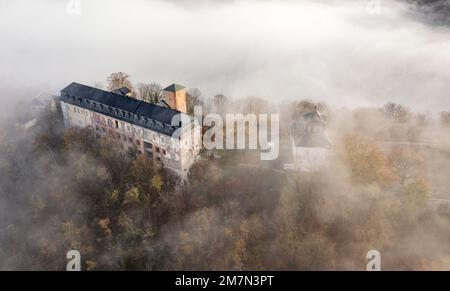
[(220, 102), (193, 99), (118, 80), (151, 93), (396, 112)]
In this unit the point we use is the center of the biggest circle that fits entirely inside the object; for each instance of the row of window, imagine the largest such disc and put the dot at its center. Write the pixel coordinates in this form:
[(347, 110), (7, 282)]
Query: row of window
[(78, 110), (120, 125), (147, 145)]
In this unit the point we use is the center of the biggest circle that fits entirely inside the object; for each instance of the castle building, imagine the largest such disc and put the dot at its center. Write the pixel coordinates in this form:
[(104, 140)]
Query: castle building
[(167, 135), (310, 142)]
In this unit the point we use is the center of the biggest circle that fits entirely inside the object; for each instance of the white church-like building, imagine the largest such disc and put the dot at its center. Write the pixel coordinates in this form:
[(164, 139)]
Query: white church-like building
[(310, 143)]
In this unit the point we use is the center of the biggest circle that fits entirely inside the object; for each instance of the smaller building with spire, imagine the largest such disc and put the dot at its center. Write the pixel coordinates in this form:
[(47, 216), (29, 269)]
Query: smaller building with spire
[(310, 143)]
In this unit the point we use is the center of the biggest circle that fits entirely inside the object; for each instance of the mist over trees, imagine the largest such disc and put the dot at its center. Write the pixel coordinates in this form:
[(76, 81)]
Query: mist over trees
[(63, 189)]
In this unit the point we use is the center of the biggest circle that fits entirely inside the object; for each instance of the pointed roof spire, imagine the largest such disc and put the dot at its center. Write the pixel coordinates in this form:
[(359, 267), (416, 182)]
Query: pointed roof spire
[(174, 88)]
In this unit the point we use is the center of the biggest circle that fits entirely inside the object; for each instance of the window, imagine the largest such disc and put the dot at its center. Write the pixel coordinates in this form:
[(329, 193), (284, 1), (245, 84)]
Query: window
[(148, 145), (157, 149), (130, 140), (116, 123), (164, 152), (138, 142)]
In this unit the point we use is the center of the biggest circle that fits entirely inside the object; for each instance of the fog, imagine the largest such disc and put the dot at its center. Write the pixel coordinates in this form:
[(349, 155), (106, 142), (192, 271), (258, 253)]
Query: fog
[(63, 189), (340, 52)]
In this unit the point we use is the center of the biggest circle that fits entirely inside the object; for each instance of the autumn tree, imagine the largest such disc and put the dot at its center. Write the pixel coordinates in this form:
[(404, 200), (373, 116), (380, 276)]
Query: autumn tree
[(406, 162), (417, 192), (366, 161), (50, 133)]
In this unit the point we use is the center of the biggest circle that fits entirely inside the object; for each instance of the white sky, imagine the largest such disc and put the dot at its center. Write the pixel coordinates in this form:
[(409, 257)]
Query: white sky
[(335, 51)]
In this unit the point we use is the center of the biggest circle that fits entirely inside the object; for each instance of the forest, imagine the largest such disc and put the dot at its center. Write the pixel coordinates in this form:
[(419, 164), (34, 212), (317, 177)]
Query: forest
[(385, 189)]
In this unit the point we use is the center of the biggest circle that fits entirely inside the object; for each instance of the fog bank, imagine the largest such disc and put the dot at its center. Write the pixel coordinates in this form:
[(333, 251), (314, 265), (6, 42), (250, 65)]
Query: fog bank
[(341, 52)]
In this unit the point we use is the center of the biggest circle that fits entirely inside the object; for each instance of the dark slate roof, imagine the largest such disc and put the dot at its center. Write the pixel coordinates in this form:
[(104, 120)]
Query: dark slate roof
[(118, 106), (163, 103), (174, 88), (122, 91)]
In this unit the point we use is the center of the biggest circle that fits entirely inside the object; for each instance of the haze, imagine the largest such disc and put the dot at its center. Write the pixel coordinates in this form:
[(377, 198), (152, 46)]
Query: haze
[(333, 51)]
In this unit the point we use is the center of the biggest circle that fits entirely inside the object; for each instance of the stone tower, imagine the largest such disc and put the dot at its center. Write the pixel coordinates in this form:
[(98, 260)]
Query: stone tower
[(175, 97)]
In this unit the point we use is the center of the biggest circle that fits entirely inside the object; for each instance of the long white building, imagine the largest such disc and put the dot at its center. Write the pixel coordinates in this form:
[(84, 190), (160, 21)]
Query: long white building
[(165, 134)]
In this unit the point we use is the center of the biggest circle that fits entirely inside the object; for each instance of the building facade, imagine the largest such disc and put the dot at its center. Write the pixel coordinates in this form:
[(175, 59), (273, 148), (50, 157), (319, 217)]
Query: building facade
[(168, 136)]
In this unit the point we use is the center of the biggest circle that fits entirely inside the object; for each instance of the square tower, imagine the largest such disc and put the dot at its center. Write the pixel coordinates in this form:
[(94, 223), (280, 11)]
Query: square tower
[(175, 97)]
